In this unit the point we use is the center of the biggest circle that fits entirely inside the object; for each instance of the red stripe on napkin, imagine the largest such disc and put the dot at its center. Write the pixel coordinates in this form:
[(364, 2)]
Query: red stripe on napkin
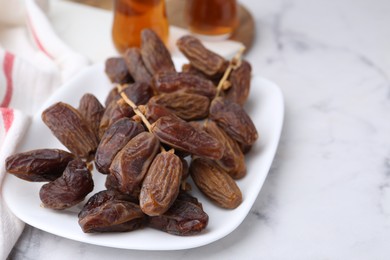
[(36, 39), (7, 68), (8, 117)]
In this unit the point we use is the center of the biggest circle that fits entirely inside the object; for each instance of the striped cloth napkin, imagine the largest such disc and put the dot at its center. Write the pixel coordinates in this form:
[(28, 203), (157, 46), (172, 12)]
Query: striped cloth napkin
[(33, 63)]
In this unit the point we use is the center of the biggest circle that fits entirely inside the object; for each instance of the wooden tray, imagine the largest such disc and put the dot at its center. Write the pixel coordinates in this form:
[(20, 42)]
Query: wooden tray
[(245, 32)]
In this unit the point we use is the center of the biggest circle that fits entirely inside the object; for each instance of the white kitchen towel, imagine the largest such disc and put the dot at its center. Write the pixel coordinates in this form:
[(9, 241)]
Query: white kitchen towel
[(31, 68), (13, 124)]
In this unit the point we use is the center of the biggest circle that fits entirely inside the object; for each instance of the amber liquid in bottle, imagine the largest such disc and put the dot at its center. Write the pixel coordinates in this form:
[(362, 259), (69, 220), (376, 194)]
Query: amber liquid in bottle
[(132, 16), (212, 17)]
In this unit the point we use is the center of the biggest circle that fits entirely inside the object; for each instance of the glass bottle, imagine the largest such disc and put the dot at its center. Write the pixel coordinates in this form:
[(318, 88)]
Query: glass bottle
[(212, 17), (132, 16)]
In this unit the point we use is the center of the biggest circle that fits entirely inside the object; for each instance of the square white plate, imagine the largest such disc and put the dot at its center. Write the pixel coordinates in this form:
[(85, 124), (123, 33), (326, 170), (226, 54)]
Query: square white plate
[(266, 108)]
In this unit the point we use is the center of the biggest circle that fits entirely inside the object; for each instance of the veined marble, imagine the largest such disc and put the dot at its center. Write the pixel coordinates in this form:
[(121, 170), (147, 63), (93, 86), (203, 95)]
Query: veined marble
[(327, 195)]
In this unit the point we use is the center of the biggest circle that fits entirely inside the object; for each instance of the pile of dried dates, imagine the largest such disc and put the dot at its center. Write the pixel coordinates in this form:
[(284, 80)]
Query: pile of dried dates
[(156, 128)]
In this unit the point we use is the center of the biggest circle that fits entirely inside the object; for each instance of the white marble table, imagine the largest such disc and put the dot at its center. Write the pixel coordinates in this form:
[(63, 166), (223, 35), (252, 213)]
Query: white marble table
[(327, 195)]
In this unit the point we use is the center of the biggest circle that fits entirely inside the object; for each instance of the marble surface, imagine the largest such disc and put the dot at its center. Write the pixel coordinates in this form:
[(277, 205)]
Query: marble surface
[(327, 195)]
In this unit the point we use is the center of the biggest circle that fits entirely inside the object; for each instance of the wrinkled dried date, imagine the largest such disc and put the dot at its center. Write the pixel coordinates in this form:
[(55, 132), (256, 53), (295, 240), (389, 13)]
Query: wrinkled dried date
[(167, 82), (233, 160), (240, 80), (113, 140), (117, 71), (183, 136), (130, 165), (115, 111), (102, 197), (92, 111), (155, 55), (136, 66), (38, 165), (185, 105), (215, 183), (67, 124), (153, 112), (110, 211), (233, 119), (201, 58), (184, 218), (190, 69), (161, 184), (69, 189)]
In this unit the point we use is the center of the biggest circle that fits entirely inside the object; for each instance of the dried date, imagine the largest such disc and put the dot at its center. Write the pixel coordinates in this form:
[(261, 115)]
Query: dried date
[(167, 82), (184, 218), (183, 136), (69, 189), (155, 55), (130, 165), (187, 106), (153, 112), (110, 211), (233, 119), (215, 183), (102, 197), (117, 71), (233, 160), (38, 165), (161, 184), (190, 69), (113, 140), (92, 111), (240, 80), (201, 58), (115, 111), (67, 124), (139, 93), (136, 66)]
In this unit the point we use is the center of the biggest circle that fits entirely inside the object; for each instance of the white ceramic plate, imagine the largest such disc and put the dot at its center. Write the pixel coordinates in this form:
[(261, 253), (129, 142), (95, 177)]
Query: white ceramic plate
[(266, 108)]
